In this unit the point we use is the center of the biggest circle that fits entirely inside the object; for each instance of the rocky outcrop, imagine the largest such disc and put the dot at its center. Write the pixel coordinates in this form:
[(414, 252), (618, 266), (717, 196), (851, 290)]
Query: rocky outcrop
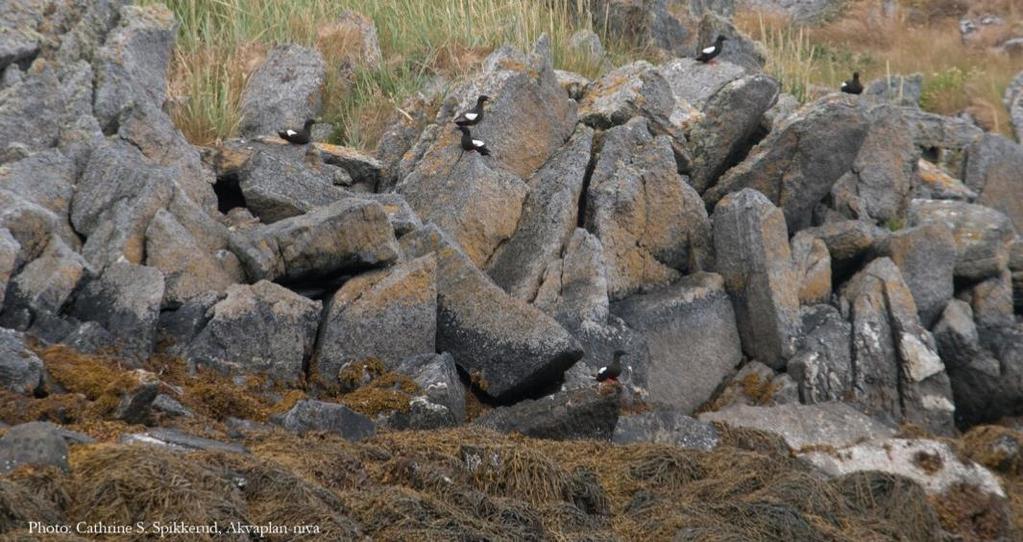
[(926, 257), (981, 235), (805, 426), (309, 415), (34, 444), (583, 413), (812, 262), (645, 23), (283, 92), (21, 371), (823, 368), (666, 426), (992, 170)]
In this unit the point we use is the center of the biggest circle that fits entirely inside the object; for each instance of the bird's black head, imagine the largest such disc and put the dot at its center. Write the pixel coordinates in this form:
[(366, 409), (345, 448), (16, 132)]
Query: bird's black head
[(482, 98), (721, 38), (462, 129), (856, 76), (309, 123)]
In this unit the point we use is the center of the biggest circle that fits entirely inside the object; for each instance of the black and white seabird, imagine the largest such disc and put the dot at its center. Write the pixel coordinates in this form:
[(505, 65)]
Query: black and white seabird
[(470, 144), (473, 116), (707, 54), (853, 86), (301, 137), (611, 372)]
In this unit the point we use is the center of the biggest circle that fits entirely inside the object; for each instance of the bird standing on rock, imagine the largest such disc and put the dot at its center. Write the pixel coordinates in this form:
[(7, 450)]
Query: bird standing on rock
[(473, 116), (298, 138), (470, 144), (708, 54), (611, 372), (853, 86)]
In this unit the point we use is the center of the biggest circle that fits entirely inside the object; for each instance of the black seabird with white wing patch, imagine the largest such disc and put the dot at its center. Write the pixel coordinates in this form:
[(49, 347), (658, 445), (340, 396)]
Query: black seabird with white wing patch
[(708, 54), (473, 116), (301, 137), (611, 372), (470, 144), (853, 86)]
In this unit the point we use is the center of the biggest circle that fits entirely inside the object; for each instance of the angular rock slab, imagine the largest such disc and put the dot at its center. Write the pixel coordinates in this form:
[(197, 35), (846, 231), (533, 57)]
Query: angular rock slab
[(389, 315), (568, 415), (823, 367), (44, 287), (690, 331), (259, 329), (825, 424), (574, 288), (21, 371), (754, 258), (812, 260), (283, 92), (275, 188), (651, 223), (191, 271), (38, 444), (506, 346), (36, 96), (437, 376), (981, 234), (926, 256), (309, 415), (636, 89), (993, 166), (797, 164), (666, 426)]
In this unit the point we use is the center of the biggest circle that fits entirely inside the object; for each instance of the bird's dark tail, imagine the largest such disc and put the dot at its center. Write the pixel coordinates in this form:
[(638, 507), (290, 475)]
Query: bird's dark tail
[(282, 135), (484, 151)]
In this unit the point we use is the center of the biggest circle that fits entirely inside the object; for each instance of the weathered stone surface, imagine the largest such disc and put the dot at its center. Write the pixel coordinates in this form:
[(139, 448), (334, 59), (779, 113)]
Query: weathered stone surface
[(262, 328), (574, 288), (943, 139), (991, 300), (797, 164), (39, 444), (986, 366), (9, 249), (166, 437), (753, 256), (437, 376), (849, 243), (813, 268), (651, 223), (826, 424), (125, 299), (690, 330), (45, 178), (578, 414), (898, 371), (309, 415), (981, 235), (666, 426), (349, 234), (926, 257), (178, 326), (506, 346), (993, 166), (190, 269), (136, 402), (32, 226), (730, 118), (931, 463), (283, 92), (897, 89), (693, 83), (646, 23), (21, 371), (363, 169), (935, 183), (36, 96), (43, 286), (389, 315), (275, 189), (636, 89), (1014, 103), (823, 367), (131, 67), (756, 384), (548, 219), (600, 340)]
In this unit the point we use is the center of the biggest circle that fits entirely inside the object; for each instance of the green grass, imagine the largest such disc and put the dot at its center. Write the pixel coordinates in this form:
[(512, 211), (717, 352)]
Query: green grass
[(221, 41)]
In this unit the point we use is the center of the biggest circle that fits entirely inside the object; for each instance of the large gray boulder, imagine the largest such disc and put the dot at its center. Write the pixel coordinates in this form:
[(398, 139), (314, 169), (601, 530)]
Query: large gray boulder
[(45, 178), (574, 287), (568, 415), (690, 331), (36, 444), (21, 371), (389, 315), (753, 255), (740, 49), (898, 373), (506, 346), (191, 269), (981, 235), (275, 188), (943, 139), (131, 67), (284, 91), (666, 426), (635, 89), (44, 286), (437, 376), (993, 166), (548, 220), (694, 84), (812, 261), (797, 164), (36, 96), (651, 223), (310, 415), (259, 329), (730, 118), (349, 234), (125, 299), (832, 424), (32, 226), (903, 90), (926, 257), (823, 366), (849, 243), (644, 23)]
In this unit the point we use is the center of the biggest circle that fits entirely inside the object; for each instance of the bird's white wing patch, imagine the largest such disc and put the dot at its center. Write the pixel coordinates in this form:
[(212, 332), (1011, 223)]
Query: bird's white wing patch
[(477, 143), (709, 50), (845, 85), (291, 132), (602, 370), (471, 116)]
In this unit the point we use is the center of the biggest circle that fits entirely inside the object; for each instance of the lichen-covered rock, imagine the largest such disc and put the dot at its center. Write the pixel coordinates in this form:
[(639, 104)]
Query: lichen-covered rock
[(692, 82), (548, 219), (125, 299), (45, 178), (813, 268), (796, 165), (945, 139), (437, 376), (991, 300), (849, 243), (574, 288), (190, 269), (283, 92), (926, 257), (36, 96), (44, 286), (275, 189), (993, 166), (689, 328), (131, 67), (666, 426), (578, 414), (981, 235), (310, 415), (636, 89), (506, 346), (9, 249), (259, 329), (753, 256), (823, 366), (1014, 103), (389, 315), (936, 183), (36, 444), (21, 371), (32, 226), (651, 223)]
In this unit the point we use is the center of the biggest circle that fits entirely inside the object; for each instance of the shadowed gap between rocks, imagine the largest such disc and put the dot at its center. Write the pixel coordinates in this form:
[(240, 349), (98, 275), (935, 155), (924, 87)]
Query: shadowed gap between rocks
[(229, 193), (598, 144)]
